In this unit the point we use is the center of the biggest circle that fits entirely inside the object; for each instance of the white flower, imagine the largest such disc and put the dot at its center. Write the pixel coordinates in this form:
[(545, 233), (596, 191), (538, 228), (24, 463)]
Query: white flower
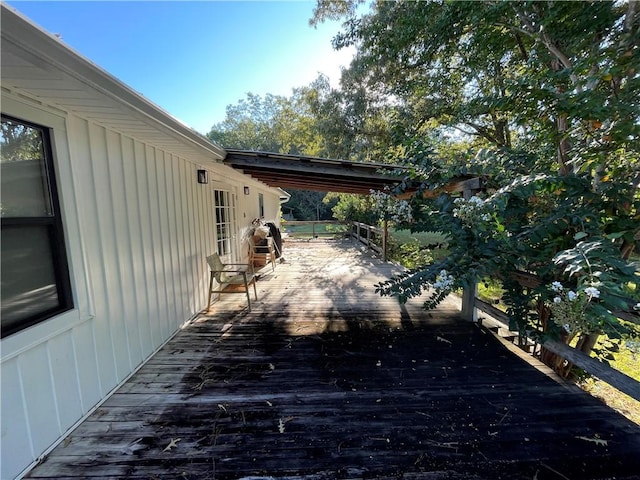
[(567, 327), (444, 281), (556, 287), (637, 306), (593, 292), (486, 217), (393, 209), (557, 300), (572, 295)]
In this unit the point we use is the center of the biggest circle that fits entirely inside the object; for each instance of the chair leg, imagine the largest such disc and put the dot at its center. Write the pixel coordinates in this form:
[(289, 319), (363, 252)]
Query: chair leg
[(255, 292), (209, 292), (246, 289)]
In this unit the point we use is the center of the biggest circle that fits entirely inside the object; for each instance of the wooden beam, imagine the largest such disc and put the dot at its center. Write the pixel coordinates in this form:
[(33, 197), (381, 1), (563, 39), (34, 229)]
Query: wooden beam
[(456, 185), (321, 183), (306, 166), (330, 185), (496, 313), (526, 279), (311, 173)]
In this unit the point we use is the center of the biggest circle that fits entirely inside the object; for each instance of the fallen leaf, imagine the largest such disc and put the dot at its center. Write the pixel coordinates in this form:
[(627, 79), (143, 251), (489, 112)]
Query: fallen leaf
[(597, 441), (173, 443), (133, 447), (282, 422)]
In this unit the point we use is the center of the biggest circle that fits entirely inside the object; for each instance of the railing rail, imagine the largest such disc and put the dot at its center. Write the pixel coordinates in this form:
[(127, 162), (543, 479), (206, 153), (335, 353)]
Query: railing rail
[(604, 372), (375, 238), (316, 230)]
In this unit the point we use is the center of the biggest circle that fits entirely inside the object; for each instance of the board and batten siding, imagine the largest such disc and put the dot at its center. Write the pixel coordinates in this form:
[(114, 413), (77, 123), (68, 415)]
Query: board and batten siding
[(138, 227)]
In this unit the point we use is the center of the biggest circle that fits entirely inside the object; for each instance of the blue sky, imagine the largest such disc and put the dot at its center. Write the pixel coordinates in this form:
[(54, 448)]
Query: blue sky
[(193, 58)]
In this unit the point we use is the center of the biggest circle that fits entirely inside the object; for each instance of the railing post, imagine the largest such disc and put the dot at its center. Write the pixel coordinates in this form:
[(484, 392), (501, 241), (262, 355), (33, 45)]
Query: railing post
[(469, 312), (385, 234), (368, 236)]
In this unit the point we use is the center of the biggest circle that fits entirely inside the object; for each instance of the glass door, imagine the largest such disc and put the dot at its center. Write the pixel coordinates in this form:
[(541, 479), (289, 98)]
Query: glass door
[(226, 225)]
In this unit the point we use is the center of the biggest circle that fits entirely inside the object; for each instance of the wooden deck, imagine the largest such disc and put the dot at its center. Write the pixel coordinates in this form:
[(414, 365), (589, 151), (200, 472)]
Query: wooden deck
[(324, 380)]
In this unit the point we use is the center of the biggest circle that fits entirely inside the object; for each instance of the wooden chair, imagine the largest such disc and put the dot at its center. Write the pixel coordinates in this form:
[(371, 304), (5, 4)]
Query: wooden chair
[(230, 275), (262, 254)]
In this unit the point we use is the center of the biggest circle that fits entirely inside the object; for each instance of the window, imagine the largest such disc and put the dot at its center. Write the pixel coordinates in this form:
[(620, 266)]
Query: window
[(261, 205), (34, 278), (224, 221)]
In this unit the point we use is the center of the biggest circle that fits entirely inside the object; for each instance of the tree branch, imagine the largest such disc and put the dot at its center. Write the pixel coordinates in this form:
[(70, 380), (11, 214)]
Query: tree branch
[(483, 132), (521, 47), (541, 35)]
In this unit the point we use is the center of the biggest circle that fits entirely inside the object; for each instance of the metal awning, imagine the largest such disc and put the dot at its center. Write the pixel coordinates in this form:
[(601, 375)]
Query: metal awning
[(313, 173)]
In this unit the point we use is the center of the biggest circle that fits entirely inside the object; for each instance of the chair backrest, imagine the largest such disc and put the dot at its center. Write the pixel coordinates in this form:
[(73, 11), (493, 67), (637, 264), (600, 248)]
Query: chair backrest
[(216, 265)]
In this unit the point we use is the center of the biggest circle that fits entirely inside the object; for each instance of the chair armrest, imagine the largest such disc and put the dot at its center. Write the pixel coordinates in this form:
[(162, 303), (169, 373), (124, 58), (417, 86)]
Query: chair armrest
[(232, 270)]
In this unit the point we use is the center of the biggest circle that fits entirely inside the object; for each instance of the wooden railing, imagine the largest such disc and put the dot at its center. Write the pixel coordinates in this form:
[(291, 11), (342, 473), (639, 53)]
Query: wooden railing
[(315, 228), (471, 304), (375, 238)]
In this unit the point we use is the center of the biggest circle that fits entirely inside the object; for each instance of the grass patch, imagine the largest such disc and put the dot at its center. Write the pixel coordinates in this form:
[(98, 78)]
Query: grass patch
[(424, 239), (416, 249), (317, 230), (490, 290)]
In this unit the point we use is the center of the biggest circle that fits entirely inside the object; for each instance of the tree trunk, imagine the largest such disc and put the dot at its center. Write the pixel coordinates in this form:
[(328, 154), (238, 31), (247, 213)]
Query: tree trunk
[(586, 342), (553, 360), (563, 144)]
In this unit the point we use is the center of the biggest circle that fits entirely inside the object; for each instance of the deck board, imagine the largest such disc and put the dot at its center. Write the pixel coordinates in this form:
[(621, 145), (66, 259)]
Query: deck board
[(324, 379)]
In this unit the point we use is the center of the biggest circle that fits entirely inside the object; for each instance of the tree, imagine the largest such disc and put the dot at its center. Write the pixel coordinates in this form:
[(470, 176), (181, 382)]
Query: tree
[(309, 205), (282, 125), (549, 94), (270, 124), (350, 124), (349, 207)]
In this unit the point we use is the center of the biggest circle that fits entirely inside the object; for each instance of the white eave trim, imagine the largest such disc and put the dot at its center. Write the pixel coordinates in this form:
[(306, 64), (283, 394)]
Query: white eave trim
[(284, 196)]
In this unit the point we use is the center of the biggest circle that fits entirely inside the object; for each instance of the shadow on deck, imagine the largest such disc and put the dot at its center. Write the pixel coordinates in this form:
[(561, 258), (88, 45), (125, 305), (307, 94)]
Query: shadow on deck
[(326, 380)]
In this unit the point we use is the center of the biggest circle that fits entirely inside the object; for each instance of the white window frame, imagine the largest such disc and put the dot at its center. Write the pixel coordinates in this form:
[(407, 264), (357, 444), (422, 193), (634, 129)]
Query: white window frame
[(225, 221), (51, 222), (83, 311)]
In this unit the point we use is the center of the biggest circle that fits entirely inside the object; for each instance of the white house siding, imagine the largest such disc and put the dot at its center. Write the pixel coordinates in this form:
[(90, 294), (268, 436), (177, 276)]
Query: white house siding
[(271, 205), (138, 227)]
